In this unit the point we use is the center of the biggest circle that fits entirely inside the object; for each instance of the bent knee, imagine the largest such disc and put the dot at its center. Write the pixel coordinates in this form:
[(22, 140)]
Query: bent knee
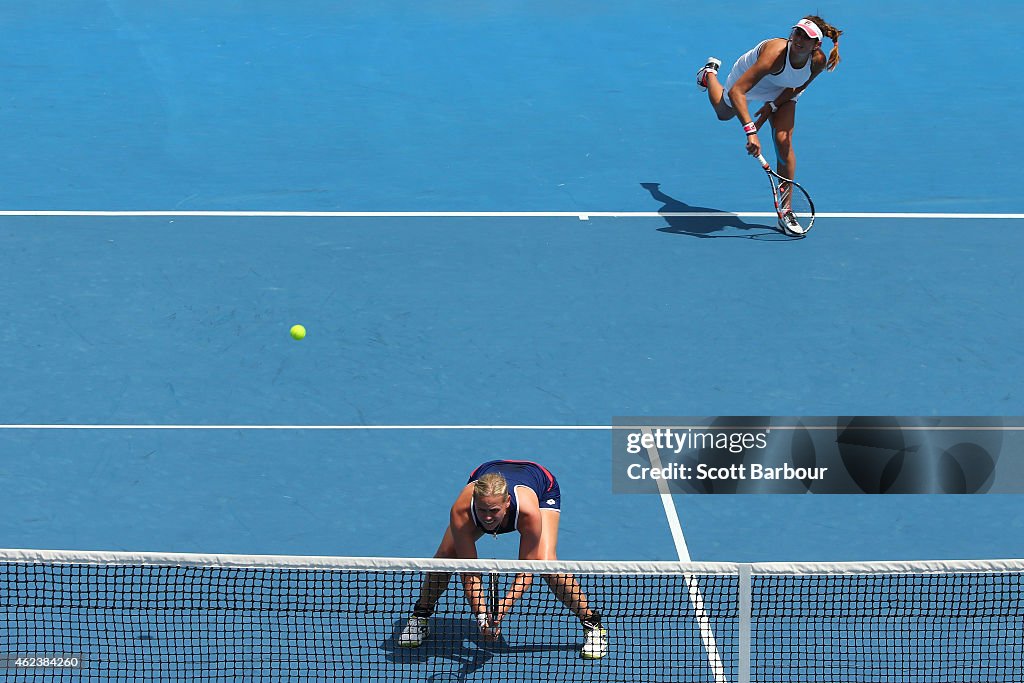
[(784, 141), (723, 111)]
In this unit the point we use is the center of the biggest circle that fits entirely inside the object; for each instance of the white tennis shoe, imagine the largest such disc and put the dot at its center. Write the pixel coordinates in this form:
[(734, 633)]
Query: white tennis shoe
[(595, 642), (415, 632), (791, 226), (711, 67)]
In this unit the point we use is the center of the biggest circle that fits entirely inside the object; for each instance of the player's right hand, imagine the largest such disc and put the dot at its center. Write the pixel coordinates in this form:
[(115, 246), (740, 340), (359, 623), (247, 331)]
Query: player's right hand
[(488, 629), (753, 145)]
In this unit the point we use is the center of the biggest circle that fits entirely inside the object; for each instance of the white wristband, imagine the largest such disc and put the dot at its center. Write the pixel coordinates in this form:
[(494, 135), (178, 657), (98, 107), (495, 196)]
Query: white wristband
[(482, 621), (749, 128)]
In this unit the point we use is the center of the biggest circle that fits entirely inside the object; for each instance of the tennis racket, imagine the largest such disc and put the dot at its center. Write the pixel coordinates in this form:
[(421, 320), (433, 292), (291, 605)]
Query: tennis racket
[(792, 203), (492, 599)]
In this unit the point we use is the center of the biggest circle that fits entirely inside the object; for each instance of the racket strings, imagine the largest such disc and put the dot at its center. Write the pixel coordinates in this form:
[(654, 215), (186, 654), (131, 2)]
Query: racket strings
[(793, 199), (792, 203), (785, 197)]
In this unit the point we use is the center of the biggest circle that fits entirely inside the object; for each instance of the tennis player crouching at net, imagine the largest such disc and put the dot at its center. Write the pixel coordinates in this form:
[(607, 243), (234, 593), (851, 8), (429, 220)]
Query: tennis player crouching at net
[(504, 496)]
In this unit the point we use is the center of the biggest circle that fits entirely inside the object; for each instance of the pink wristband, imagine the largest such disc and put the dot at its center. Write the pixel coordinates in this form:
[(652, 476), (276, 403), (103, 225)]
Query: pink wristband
[(749, 128)]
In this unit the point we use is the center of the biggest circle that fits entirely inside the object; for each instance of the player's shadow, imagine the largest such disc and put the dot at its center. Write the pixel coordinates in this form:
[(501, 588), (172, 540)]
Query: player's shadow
[(455, 650), (708, 226)]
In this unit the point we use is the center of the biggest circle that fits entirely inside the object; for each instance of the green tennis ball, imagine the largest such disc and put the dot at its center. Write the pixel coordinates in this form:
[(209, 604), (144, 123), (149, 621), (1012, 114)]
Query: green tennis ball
[(298, 331)]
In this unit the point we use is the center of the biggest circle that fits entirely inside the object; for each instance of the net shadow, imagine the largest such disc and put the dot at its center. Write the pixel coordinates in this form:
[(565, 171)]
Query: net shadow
[(454, 651), (710, 226)]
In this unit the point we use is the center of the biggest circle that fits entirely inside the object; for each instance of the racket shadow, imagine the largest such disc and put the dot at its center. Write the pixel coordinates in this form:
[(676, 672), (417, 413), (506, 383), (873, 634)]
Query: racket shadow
[(707, 227)]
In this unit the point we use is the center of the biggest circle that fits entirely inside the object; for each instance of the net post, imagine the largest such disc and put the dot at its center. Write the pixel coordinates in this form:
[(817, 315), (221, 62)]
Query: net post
[(744, 605)]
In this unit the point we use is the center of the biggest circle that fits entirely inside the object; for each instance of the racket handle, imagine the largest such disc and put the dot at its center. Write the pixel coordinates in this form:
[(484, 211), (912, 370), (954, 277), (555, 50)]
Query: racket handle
[(492, 595), (764, 162)]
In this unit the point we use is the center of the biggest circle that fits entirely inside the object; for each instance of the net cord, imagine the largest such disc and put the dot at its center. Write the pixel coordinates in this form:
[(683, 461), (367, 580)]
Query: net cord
[(328, 563)]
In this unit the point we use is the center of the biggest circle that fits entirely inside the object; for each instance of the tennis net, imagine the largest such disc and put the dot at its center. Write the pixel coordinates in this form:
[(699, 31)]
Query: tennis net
[(97, 616)]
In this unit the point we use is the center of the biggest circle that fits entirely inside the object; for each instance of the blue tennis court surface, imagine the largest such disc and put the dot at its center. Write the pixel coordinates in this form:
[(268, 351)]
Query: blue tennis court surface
[(151, 398), (539, 322)]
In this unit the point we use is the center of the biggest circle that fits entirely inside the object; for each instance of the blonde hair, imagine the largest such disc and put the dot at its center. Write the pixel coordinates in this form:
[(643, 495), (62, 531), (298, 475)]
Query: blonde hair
[(492, 484), (832, 33)]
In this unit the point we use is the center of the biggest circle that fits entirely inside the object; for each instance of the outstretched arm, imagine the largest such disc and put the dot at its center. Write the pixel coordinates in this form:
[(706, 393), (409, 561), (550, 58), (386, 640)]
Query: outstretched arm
[(464, 535), (767, 61)]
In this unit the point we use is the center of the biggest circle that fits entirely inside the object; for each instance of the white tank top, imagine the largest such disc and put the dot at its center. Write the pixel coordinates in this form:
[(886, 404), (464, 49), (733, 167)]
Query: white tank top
[(772, 85)]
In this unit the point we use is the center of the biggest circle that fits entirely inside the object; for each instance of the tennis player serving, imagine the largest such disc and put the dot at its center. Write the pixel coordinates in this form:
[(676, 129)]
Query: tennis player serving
[(500, 497), (775, 72)]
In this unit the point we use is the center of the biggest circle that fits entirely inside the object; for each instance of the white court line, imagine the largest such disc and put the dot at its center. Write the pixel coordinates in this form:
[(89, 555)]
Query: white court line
[(666, 500), (570, 428), (707, 633), (495, 214), (310, 427)]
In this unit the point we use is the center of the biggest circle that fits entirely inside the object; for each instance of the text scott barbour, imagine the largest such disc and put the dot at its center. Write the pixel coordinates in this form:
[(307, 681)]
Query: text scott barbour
[(705, 472)]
